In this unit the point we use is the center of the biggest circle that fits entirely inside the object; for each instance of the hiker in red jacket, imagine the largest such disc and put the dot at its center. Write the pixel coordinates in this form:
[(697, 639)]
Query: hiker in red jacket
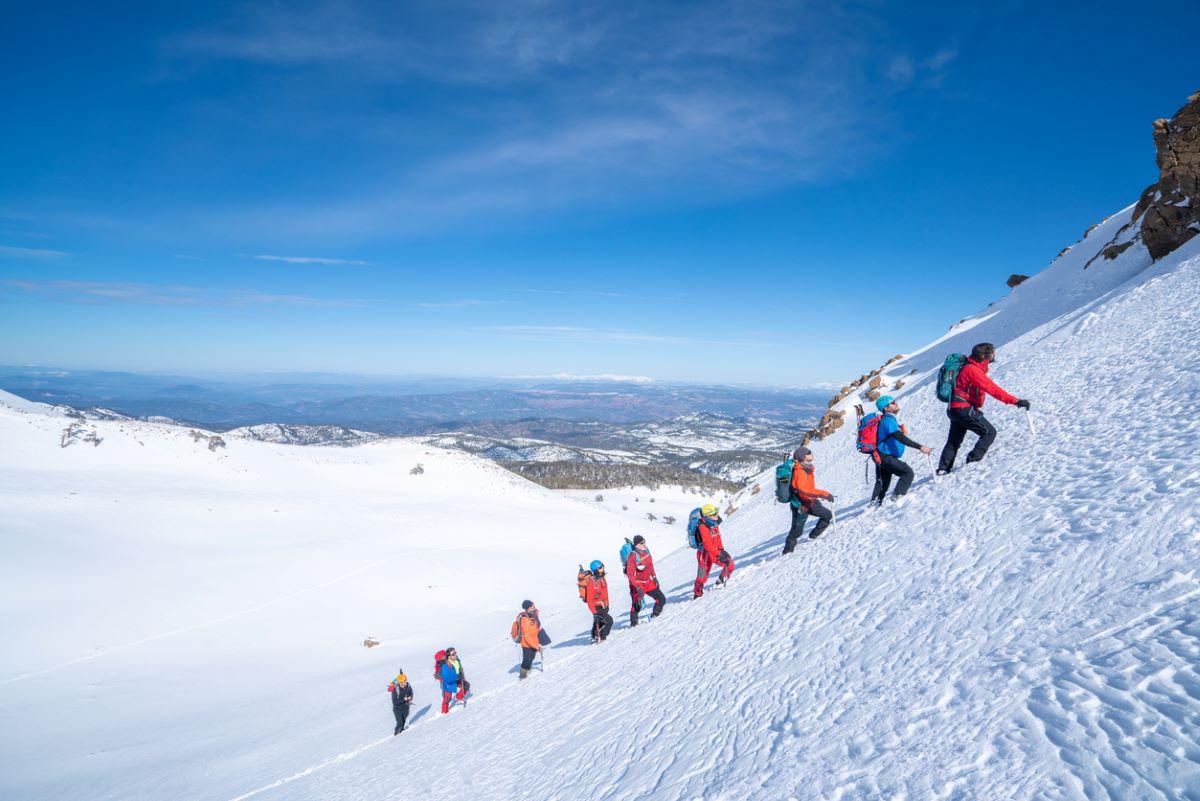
[(643, 582), (966, 407), (711, 551)]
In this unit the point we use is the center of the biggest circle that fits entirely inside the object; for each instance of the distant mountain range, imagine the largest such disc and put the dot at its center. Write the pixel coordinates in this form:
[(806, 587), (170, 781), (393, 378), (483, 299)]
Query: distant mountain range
[(560, 433)]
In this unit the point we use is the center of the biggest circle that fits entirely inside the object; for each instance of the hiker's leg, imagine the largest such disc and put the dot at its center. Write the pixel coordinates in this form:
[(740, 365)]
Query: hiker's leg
[(446, 701), (606, 624), (703, 567), (728, 563), (635, 597), (987, 435), (882, 479), (958, 430), (799, 516), (527, 655), (823, 515), (900, 469)]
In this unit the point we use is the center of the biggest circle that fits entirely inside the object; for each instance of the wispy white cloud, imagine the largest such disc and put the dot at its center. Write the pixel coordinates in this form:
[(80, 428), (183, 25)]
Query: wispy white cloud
[(10, 252), (303, 259), (627, 379), (463, 303), (610, 335), (132, 293)]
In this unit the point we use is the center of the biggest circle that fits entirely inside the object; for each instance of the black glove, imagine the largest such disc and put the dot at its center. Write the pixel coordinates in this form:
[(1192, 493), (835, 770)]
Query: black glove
[(1023, 404), (831, 499)]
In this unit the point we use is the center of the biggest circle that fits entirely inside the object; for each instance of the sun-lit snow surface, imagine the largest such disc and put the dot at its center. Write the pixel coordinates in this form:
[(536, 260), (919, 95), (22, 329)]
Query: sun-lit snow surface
[(184, 623), (1027, 628)]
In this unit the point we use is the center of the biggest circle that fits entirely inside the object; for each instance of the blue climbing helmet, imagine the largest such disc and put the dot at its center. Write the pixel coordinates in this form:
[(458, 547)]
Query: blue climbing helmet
[(596, 566)]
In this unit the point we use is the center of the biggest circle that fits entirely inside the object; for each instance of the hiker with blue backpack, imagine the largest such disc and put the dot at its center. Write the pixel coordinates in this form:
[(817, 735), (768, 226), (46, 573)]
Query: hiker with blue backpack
[(795, 484), (704, 535), (883, 437), (963, 383), (643, 581)]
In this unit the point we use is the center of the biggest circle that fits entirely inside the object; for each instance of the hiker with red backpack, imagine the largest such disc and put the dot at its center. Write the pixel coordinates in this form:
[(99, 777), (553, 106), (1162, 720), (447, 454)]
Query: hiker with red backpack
[(884, 438), (964, 383), (448, 670), (805, 499), (643, 582), (402, 696), (704, 534), (593, 591)]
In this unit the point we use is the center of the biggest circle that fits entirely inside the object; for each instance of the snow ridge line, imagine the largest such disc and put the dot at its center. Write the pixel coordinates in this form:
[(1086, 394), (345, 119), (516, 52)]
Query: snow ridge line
[(198, 626)]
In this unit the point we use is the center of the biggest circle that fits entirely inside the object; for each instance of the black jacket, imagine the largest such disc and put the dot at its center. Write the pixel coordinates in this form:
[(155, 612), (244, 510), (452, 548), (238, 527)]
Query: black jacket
[(401, 696)]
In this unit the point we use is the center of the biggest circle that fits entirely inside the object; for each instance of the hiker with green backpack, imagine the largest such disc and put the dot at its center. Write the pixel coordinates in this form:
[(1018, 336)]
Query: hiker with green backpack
[(963, 383), (795, 485)]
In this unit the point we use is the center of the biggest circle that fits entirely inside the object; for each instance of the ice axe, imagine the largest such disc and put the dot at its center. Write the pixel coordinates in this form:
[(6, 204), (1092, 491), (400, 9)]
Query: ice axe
[(1029, 419), (929, 458)]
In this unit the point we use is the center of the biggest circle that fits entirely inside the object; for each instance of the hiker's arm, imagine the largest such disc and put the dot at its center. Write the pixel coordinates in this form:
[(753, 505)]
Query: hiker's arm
[(905, 439), (992, 388)]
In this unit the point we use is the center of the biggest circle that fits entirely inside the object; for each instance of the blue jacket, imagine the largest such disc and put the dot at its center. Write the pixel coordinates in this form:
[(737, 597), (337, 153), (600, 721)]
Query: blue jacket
[(889, 426), (449, 678)]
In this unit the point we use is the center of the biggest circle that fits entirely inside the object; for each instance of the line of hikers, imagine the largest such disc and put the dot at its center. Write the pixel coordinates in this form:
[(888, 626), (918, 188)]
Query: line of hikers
[(962, 383)]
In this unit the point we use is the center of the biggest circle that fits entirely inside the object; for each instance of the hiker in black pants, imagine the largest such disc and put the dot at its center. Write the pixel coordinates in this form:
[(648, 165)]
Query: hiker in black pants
[(971, 386), (806, 500), (892, 439), (402, 696)]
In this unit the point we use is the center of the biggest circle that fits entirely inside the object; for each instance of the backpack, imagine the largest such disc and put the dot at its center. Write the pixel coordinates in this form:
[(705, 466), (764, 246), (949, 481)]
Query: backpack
[(438, 659), (581, 582), (948, 376), (868, 435), (693, 529), (783, 481), (626, 549)]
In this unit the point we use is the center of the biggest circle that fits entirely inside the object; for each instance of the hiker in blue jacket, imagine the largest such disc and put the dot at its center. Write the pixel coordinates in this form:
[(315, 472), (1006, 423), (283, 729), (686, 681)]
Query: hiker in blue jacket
[(891, 441)]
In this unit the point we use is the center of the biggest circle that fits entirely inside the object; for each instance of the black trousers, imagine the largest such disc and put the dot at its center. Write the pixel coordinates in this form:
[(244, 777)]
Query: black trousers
[(602, 624), (800, 517), (887, 467), (401, 713), (660, 601), (962, 421), (527, 656)]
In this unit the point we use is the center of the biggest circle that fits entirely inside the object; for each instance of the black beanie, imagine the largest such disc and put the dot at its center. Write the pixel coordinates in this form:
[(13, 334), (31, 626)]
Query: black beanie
[(639, 540), (800, 453), (526, 604)]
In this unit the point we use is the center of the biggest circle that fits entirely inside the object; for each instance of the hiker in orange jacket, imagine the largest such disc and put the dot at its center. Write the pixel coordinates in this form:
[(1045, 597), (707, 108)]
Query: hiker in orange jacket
[(806, 500), (711, 551), (525, 633), (595, 595)]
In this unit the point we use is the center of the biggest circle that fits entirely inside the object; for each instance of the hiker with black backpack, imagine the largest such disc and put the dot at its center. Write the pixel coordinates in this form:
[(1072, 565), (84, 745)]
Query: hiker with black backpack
[(527, 633), (643, 582), (805, 499), (593, 591), (704, 534), (884, 438), (402, 696), (963, 383)]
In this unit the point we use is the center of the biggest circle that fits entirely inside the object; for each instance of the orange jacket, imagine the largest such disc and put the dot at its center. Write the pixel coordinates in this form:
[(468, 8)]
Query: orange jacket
[(596, 593), (804, 485), (525, 631)]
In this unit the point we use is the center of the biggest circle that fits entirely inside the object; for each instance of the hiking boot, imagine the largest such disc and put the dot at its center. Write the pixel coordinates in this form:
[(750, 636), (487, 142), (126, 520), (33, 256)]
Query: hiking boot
[(940, 472), (524, 673)]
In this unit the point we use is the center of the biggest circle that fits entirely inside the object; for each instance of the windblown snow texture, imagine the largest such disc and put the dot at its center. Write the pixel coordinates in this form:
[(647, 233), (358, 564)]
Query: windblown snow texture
[(1027, 628)]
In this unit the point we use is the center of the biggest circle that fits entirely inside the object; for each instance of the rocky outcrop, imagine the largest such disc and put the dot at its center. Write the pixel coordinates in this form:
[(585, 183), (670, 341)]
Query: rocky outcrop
[(1016, 279), (1168, 212), (871, 382)]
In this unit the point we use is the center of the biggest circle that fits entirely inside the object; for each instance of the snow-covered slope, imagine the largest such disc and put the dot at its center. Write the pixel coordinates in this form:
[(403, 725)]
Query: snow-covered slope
[(184, 623), (1027, 628)]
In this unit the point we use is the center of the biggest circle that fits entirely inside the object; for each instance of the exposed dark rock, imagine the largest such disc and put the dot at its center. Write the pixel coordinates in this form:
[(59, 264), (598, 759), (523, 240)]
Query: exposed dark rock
[(1016, 278)]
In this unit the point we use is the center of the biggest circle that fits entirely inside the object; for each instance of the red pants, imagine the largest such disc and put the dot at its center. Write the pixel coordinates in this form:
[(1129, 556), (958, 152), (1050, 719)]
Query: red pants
[(447, 696), (704, 565)]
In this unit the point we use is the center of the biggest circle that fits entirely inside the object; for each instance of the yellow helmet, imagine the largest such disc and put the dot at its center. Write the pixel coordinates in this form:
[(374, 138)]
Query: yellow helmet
[(709, 510)]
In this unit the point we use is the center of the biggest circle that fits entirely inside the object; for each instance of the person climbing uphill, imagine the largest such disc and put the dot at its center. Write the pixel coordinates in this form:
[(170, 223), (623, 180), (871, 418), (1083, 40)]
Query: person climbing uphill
[(595, 595), (453, 680), (892, 439), (402, 696), (525, 633), (966, 407), (643, 582), (711, 551), (806, 500)]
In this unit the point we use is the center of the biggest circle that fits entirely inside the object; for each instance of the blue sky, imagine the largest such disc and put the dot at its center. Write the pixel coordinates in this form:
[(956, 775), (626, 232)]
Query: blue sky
[(764, 192)]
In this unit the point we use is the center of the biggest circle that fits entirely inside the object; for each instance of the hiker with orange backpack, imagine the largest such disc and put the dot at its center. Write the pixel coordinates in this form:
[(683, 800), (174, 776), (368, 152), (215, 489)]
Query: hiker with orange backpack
[(527, 633), (886, 446), (402, 696), (704, 534), (643, 582), (806, 499), (593, 591)]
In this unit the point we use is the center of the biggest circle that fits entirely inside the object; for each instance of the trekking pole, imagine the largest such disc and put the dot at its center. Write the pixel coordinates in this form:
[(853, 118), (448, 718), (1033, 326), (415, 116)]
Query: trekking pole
[(1029, 419), (832, 513), (929, 458)]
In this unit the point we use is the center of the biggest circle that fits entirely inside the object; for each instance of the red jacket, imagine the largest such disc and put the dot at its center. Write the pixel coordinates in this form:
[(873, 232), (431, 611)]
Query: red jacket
[(596, 593), (639, 569), (973, 383), (710, 540)]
